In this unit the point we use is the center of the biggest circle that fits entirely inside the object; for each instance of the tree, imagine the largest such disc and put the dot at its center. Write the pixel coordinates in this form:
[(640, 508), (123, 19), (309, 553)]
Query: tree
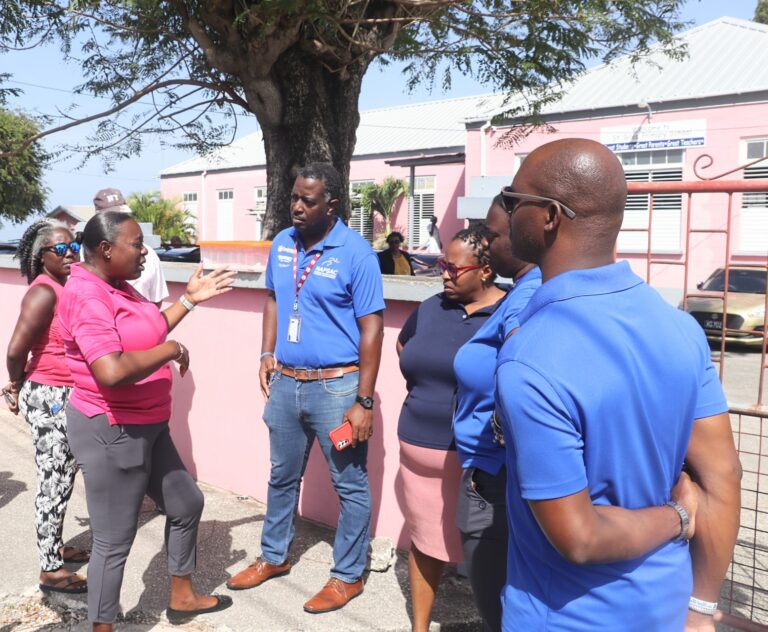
[(167, 219), (21, 174), (761, 12), (298, 65), (381, 199)]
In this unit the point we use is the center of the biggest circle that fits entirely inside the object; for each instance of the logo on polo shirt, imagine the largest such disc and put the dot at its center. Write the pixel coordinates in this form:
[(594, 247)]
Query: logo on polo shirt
[(284, 261), (326, 268), (285, 249)]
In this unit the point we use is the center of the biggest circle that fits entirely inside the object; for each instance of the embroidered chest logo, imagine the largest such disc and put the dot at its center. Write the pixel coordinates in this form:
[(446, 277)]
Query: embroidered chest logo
[(328, 268)]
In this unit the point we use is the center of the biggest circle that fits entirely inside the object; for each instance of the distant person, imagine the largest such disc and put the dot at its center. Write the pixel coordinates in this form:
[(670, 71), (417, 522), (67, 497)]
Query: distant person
[(605, 391), (429, 467), (40, 384), (117, 417), (393, 260), (434, 244), (176, 242), (320, 354), (151, 284), (482, 510)]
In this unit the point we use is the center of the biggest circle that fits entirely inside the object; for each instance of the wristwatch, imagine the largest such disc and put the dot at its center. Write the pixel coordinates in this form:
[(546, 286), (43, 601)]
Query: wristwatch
[(365, 402)]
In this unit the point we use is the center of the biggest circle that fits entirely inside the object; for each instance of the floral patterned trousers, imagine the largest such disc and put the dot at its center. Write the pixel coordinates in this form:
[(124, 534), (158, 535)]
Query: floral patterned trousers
[(43, 408)]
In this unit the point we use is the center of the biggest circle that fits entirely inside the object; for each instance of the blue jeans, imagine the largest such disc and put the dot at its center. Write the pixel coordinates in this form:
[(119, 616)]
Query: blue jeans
[(295, 414)]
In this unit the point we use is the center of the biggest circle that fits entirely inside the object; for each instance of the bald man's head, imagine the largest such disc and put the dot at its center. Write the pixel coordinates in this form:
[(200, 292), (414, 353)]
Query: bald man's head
[(584, 175)]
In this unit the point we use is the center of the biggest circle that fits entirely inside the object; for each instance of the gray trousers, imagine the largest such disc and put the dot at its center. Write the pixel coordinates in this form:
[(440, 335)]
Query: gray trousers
[(120, 464), (481, 517)]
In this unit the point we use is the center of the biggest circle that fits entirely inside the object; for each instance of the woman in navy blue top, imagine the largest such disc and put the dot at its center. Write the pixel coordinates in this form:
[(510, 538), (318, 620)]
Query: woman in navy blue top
[(481, 515), (429, 468)]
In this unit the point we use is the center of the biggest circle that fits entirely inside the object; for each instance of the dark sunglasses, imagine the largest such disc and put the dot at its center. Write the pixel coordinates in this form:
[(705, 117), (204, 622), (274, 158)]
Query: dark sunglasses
[(61, 249), (512, 198), (454, 270)]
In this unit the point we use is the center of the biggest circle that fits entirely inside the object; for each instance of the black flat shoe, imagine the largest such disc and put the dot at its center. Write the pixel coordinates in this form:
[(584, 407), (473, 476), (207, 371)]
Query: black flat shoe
[(181, 616)]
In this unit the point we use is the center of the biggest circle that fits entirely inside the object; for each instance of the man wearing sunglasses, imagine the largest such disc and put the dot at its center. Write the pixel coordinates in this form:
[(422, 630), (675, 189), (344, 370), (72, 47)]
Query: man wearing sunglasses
[(604, 392), (151, 284)]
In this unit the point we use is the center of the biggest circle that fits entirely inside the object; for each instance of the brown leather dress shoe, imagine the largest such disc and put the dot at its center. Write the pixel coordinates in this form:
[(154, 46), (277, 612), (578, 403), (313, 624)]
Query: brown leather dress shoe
[(334, 595), (257, 573)]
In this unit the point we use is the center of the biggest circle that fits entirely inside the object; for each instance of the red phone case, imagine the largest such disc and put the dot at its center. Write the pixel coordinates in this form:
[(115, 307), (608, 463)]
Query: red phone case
[(341, 436)]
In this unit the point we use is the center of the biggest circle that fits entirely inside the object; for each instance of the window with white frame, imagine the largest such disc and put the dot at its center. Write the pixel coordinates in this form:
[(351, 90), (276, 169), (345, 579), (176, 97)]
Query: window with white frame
[(225, 215), (659, 165), (189, 202), (420, 208), (753, 218), (258, 211), (359, 220)]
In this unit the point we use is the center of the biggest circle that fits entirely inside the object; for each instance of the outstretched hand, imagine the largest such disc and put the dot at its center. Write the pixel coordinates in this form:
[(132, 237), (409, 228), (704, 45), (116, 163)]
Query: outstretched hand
[(202, 287)]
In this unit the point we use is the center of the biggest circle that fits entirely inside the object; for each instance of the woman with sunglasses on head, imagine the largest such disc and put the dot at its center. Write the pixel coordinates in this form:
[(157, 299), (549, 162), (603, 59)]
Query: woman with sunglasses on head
[(429, 467), (40, 383), (481, 516), (118, 413)]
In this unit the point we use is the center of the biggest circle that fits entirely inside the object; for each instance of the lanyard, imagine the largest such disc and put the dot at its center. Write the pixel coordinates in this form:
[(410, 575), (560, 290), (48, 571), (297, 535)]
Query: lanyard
[(304, 276)]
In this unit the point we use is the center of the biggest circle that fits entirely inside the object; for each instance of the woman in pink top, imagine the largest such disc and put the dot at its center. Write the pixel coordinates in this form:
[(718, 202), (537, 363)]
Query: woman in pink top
[(118, 413), (39, 385)]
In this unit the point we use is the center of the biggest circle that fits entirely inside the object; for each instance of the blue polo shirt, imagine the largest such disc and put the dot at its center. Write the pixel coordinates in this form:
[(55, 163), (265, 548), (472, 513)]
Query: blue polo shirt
[(344, 285), (475, 369), (599, 389)]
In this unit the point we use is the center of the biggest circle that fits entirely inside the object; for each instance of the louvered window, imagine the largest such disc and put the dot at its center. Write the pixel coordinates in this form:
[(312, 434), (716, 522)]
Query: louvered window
[(753, 222), (652, 166), (420, 208), (359, 220)]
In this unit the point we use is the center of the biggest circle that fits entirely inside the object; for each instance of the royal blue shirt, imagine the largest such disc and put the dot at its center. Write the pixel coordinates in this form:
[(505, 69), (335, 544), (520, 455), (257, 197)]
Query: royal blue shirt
[(599, 389), (475, 370), (344, 285), (431, 337)]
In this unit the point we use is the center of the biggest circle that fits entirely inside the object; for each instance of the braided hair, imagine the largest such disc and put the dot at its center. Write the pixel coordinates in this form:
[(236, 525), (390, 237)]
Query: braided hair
[(30, 250), (476, 237)]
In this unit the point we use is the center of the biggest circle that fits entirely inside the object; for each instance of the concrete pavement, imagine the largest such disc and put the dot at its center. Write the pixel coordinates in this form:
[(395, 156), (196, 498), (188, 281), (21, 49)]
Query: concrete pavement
[(228, 540)]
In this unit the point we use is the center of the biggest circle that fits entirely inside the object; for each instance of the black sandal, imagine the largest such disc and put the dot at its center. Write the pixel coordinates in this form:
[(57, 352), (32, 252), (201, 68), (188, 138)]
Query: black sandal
[(70, 585), (181, 616)]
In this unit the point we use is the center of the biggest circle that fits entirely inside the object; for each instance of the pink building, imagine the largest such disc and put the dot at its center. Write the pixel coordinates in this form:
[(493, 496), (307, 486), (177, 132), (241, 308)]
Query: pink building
[(660, 117)]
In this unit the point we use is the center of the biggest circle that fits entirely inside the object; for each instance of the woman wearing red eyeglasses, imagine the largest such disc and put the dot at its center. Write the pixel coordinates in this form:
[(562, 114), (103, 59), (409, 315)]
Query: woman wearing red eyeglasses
[(39, 386), (430, 471)]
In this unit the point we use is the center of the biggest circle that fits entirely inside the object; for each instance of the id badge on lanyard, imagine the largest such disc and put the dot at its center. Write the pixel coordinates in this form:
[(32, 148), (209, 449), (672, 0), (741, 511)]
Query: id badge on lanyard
[(294, 322)]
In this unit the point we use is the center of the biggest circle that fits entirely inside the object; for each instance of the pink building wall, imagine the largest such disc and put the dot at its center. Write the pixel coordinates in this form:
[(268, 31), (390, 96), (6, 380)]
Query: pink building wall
[(449, 181), (217, 407), (726, 129)]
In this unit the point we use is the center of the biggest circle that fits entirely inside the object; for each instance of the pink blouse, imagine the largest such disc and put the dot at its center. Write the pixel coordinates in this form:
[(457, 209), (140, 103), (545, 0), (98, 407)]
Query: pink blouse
[(47, 362), (98, 319)]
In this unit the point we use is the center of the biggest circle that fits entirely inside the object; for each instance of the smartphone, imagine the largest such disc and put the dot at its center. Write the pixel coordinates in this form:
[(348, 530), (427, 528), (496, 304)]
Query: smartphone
[(9, 399), (341, 436)]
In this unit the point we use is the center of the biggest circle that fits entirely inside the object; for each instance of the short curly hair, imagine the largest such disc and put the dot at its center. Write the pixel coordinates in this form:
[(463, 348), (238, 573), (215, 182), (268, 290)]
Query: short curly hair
[(30, 249)]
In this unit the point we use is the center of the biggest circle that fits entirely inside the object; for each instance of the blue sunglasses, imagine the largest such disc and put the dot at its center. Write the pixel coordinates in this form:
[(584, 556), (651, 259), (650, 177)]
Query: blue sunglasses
[(61, 249)]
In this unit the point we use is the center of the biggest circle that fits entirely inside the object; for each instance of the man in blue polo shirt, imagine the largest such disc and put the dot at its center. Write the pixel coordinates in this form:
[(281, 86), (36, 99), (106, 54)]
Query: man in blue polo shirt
[(321, 347), (604, 392)]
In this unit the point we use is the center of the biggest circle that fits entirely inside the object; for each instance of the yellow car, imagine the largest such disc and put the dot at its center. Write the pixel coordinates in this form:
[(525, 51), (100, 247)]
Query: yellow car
[(745, 322)]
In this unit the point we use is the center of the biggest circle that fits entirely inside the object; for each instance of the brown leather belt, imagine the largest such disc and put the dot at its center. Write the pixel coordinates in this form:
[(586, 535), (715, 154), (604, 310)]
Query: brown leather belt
[(309, 375)]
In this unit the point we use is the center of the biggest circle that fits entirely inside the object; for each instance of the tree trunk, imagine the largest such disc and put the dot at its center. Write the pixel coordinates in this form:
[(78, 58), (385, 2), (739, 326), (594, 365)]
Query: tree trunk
[(316, 122)]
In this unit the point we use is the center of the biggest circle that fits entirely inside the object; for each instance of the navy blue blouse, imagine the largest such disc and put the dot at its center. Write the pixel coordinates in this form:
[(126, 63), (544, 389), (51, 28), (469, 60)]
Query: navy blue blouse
[(431, 336)]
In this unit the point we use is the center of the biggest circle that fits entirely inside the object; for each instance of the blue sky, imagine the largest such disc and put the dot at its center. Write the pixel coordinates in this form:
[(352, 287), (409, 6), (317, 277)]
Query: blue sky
[(47, 83)]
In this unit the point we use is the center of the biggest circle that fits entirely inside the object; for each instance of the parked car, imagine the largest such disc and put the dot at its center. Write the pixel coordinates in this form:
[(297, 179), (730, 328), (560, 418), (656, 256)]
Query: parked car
[(184, 255), (746, 305), (9, 247), (425, 264)]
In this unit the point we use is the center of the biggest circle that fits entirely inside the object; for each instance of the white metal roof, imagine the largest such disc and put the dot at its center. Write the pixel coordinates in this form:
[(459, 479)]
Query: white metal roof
[(727, 56)]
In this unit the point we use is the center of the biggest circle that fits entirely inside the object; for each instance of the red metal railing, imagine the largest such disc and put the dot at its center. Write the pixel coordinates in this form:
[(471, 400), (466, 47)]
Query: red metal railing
[(744, 599)]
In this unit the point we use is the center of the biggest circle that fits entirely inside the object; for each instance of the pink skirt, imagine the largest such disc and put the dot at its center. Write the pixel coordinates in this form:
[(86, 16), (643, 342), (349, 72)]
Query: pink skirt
[(430, 482)]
